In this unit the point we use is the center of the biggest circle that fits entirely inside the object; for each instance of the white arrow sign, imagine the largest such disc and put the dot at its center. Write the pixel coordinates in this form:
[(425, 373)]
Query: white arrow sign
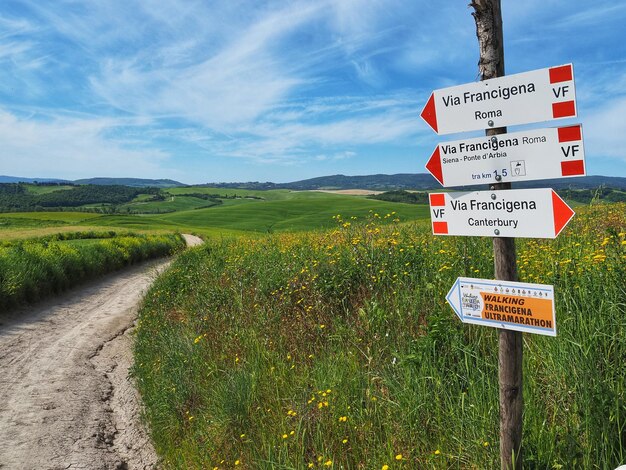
[(520, 156), (518, 306), (539, 95), (531, 213)]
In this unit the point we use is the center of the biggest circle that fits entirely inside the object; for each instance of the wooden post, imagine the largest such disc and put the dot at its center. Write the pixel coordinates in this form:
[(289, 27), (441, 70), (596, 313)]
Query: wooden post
[(488, 17)]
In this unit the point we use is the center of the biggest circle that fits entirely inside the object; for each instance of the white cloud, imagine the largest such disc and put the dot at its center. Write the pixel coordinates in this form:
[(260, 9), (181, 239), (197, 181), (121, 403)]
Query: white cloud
[(605, 131), (335, 156), (14, 26), (595, 13), (71, 148), (232, 87)]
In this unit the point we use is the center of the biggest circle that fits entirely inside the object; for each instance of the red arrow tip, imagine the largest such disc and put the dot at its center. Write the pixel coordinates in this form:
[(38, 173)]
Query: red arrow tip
[(562, 213), (434, 166), (429, 113)]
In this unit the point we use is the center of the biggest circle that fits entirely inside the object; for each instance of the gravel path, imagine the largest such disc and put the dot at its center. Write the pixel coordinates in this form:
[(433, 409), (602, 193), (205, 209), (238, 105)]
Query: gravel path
[(66, 401)]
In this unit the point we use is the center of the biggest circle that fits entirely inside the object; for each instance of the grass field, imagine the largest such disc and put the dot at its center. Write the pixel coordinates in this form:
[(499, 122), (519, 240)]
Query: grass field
[(291, 212), (171, 204), (271, 195), (36, 189), (336, 349), (279, 210)]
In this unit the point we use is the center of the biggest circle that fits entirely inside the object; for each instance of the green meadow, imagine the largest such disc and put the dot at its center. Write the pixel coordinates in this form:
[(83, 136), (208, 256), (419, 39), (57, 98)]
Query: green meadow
[(336, 349), (33, 266), (170, 204), (311, 330), (44, 189), (241, 211), (290, 212)]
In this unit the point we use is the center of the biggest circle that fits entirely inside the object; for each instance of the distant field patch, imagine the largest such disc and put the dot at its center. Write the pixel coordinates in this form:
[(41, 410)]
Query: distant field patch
[(349, 192), (22, 222), (62, 216), (301, 211), (14, 225), (271, 195), (45, 189), (169, 204)]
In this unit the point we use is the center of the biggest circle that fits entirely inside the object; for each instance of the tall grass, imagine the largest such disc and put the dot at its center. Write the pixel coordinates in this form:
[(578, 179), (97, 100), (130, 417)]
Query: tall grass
[(337, 350), (34, 268)]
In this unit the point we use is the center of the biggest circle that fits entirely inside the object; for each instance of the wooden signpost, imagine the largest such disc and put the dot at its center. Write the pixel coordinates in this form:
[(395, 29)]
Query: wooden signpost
[(501, 213)]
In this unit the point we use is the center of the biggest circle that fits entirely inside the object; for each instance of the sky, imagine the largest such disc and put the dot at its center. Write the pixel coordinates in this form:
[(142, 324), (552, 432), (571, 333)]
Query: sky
[(249, 90)]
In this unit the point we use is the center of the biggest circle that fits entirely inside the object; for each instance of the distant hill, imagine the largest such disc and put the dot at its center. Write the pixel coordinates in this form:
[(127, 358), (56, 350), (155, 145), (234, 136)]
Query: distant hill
[(418, 181), (19, 179), (133, 182), (379, 182), (375, 182)]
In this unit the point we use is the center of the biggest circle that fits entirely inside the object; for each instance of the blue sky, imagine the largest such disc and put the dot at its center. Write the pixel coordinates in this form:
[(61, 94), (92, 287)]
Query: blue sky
[(233, 90)]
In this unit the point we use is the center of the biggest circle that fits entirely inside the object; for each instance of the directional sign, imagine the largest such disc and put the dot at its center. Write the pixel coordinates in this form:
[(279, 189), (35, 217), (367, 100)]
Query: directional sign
[(520, 156), (531, 213), (539, 95), (509, 305)]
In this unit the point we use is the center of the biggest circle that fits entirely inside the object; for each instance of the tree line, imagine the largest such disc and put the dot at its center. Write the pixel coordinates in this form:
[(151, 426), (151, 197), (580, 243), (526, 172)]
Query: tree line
[(16, 196)]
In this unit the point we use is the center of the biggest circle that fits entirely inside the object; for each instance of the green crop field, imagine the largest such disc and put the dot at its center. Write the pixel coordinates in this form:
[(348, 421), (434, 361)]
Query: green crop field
[(271, 195), (170, 204), (45, 189), (300, 211), (16, 225), (251, 211), (31, 269), (44, 217), (336, 349)]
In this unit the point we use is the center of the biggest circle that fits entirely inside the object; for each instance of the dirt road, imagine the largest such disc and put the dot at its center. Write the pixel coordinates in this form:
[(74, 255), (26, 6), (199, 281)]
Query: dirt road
[(66, 401)]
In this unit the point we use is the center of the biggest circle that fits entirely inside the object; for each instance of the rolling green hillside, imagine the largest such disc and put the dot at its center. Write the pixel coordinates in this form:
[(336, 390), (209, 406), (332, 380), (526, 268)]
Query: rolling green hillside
[(46, 188), (169, 204), (302, 211), (280, 210), (269, 195), (134, 182)]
